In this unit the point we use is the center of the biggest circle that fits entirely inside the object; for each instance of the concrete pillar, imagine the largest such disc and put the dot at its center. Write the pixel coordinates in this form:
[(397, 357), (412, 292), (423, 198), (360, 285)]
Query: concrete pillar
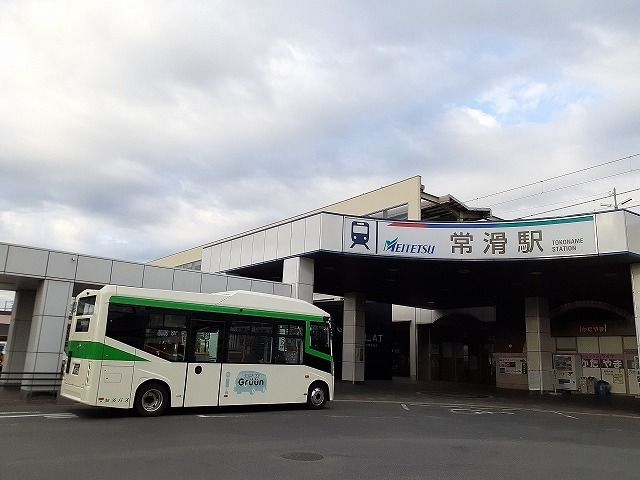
[(635, 289), (47, 335), (413, 343), (299, 272), (353, 338), (18, 337), (539, 350)]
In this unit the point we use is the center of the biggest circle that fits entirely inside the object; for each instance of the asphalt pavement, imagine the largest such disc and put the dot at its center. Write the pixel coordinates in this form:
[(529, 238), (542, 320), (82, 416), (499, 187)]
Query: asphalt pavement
[(374, 431)]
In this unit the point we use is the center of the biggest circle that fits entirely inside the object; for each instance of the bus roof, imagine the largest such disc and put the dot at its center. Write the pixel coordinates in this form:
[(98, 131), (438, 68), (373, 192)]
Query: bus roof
[(236, 298)]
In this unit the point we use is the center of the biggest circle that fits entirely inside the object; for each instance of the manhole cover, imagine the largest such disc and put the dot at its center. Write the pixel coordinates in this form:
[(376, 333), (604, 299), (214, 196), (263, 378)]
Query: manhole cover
[(302, 456)]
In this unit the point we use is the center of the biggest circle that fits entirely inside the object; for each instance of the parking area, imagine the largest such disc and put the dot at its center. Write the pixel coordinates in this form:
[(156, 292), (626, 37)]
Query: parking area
[(365, 433)]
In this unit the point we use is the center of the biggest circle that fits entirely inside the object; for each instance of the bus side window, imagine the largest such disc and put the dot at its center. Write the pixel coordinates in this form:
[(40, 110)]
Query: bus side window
[(250, 342), (289, 344)]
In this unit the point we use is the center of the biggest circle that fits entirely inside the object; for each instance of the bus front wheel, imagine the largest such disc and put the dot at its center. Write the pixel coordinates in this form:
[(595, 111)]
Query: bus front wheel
[(317, 396), (152, 399)]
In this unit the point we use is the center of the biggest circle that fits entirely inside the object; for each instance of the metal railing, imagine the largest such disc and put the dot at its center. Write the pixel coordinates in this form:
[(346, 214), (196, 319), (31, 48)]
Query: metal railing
[(43, 382)]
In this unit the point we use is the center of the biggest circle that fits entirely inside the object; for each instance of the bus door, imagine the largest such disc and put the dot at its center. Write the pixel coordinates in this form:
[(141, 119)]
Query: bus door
[(204, 363)]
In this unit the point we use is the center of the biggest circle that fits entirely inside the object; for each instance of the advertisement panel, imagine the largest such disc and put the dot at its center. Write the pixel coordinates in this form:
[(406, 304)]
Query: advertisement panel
[(565, 237)]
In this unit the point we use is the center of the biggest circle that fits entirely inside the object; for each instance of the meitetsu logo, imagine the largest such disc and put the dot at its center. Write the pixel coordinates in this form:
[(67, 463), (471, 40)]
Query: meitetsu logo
[(412, 248), (251, 382)]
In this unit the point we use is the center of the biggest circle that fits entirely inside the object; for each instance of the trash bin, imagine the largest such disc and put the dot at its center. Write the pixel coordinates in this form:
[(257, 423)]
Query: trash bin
[(602, 391)]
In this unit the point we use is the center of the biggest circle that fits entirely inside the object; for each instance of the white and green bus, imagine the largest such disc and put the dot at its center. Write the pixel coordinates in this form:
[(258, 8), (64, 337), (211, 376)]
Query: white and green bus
[(154, 349)]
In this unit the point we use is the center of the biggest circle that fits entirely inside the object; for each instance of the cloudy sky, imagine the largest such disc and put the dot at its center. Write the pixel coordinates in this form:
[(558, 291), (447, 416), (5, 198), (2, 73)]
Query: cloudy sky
[(136, 129)]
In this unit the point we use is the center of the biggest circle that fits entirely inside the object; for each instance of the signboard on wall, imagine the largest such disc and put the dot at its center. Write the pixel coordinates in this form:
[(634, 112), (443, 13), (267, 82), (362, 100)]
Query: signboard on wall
[(559, 237), (512, 366), (563, 237), (359, 236)]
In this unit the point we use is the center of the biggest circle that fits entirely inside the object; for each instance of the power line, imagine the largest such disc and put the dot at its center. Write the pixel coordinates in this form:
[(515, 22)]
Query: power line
[(577, 204), (537, 182), (544, 205), (561, 188)]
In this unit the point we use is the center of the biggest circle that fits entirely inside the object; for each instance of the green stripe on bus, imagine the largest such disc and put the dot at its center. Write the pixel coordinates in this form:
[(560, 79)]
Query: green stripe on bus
[(100, 351), (197, 307)]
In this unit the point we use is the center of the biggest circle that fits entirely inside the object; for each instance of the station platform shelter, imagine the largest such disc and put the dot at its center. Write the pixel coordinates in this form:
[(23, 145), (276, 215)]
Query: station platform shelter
[(424, 287), (419, 286)]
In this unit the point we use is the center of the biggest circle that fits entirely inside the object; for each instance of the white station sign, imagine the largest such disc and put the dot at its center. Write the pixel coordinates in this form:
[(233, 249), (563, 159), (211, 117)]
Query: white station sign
[(545, 238)]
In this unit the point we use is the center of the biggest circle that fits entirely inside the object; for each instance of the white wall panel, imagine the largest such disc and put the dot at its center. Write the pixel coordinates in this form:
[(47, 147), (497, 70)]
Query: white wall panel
[(27, 261), (297, 237), (271, 244), (282, 289), (62, 265), (247, 250), (257, 255), (284, 241), (127, 274), (206, 260), (236, 252), (225, 256), (47, 362), (51, 334), (157, 277), (238, 283), (3, 256), (213, 283), (611, 232), (312, 233), (93, 270), (186, 280), (633, 232), (261, 287), (331, 233), (53, 298), (216, 252)]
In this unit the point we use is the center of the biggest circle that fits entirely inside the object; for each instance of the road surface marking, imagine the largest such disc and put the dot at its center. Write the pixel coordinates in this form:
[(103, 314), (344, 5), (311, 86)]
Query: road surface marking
[(565, 415), (43, 415), (475, 411), (222, 416), (404, 406)]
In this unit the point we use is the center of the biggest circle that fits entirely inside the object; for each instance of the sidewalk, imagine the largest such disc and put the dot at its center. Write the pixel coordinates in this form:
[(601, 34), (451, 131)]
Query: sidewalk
[(401, 390), (12, 398)]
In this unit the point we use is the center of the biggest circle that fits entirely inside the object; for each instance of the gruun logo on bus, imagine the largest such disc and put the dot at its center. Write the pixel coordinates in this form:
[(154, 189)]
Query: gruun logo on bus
[(411, 248), (250, 382)]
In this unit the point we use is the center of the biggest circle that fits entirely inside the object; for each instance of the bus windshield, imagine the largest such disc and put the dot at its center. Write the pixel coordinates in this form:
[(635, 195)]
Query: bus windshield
[(321, 338)]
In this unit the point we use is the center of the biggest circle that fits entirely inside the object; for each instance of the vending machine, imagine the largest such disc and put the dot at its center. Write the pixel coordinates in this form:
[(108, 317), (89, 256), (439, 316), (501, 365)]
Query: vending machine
[(633, 375), (567, 369)]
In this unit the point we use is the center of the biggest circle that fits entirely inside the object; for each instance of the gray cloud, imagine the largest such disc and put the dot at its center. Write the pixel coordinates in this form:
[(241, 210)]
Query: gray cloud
[(135, 130)]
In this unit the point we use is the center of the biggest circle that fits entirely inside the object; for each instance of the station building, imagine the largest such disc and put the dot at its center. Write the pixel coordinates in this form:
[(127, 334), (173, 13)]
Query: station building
[(419, 286)]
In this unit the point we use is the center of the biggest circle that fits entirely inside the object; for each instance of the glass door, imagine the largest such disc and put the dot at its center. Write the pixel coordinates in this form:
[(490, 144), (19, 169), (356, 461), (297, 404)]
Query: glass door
[(204, 363)]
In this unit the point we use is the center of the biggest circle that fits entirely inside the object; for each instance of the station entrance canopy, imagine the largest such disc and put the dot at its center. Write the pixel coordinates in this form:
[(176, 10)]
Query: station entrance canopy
[(443, 265)]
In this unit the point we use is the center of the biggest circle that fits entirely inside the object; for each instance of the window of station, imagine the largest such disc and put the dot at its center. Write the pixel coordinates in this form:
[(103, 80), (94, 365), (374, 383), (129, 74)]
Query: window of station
[(400, 212)]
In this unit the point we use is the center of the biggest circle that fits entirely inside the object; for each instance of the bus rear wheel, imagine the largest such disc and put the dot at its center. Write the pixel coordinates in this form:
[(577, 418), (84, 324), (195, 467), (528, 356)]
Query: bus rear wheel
[(317, 396), (152, 399)]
